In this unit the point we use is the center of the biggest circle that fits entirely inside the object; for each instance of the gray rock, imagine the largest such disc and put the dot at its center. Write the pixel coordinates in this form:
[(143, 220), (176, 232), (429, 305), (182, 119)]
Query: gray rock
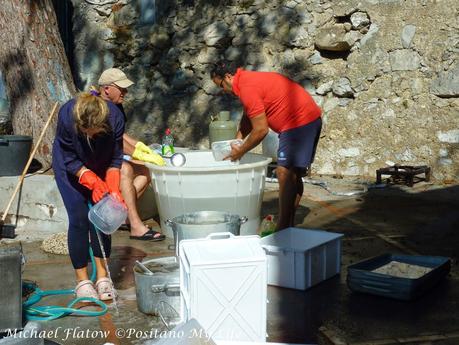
[(359, 20), (332, 39), (125, 17), (330, 104), (315, 58), (325, 88), (343, 102), (245, 38), (255, 59), (269, 23), (291, 4), (242, 21), (451, 137), (215, 32), (185, 38), (104, 10), (233, 53), (181, 78), (349, 152), (207, 55), (287, 58), (303, 16), (447, 83), (160, 39), (404, 60), (319, 100), (352, 37), (374, 28), (405, 156), (445, 161), (210, 88), (299, 37), (287, 13), (376, 2), (342, 88), (147, 58), (407, 35), (106, 34)]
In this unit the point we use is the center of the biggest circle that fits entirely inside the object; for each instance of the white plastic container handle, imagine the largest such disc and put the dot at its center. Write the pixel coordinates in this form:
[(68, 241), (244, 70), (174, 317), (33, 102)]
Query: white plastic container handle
[(220, 236)]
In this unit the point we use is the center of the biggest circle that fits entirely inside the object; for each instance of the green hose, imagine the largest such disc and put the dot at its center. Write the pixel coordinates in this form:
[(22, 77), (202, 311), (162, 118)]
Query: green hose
[(47, 313)]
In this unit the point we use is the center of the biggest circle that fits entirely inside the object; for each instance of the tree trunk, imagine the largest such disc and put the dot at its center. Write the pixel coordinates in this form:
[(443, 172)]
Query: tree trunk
[(35, 68)]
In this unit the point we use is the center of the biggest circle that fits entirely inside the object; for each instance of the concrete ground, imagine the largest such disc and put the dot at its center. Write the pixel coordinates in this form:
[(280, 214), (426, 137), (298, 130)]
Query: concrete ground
[(421, 220)]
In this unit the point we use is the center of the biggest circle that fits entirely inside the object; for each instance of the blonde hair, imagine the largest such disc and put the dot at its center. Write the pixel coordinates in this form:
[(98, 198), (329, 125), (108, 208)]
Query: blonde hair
[(90, 112)]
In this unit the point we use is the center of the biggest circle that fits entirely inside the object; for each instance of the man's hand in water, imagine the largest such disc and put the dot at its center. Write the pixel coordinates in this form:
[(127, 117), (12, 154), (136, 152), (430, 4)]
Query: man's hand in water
[(236, 152)]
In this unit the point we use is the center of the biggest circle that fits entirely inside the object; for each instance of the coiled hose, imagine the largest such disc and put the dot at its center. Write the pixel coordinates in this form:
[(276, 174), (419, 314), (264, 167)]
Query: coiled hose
[(47, 313)]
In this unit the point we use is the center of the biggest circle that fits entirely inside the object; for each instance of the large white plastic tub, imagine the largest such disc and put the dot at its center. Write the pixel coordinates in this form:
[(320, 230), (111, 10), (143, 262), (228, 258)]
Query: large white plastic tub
[(300, 258), (223, 286), (204, 184)]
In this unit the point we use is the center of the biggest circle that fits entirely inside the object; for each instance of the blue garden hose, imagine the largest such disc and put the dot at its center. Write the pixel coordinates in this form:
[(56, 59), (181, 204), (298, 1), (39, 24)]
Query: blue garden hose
[(47, 313)]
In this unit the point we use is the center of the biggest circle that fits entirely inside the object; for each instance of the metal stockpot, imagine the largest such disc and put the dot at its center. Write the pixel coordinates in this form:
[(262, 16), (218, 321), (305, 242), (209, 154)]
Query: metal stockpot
[(200, 224), (163, 286)]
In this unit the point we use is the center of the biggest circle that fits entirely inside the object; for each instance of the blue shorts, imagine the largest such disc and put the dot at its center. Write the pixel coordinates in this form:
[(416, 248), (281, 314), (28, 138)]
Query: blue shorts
[(297, 146)]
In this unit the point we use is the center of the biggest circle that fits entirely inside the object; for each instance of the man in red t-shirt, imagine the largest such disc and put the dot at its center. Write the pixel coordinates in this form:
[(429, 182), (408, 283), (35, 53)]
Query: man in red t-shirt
[(271, 100)]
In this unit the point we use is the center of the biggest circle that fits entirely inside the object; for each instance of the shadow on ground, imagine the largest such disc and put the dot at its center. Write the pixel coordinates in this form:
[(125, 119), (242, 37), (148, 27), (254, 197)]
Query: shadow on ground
[(421, 220)]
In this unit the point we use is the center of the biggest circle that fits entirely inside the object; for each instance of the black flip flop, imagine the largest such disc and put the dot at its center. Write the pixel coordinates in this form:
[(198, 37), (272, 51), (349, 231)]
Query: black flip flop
[(149, 236)]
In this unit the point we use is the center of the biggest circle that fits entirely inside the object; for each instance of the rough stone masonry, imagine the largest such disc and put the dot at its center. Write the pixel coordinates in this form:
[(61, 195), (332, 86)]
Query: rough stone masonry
[(385, 72)]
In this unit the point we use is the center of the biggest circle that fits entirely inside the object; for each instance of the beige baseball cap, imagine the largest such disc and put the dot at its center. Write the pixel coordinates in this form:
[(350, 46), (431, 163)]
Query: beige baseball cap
[(115, 76)]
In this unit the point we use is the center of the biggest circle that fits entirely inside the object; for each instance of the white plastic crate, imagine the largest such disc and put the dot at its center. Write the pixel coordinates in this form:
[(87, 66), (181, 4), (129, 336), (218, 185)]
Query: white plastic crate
[(300, 258), (223, 286)]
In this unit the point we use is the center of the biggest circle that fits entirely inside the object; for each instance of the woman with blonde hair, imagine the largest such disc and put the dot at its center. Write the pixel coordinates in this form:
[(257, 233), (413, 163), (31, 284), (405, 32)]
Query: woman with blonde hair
[(87, 156)]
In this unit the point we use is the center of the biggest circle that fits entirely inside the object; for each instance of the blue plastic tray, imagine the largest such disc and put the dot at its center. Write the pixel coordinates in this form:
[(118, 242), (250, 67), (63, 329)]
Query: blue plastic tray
[(361, 278)]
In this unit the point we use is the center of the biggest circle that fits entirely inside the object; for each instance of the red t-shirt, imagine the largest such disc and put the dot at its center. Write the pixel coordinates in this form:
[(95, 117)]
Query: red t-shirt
[(286, 104)]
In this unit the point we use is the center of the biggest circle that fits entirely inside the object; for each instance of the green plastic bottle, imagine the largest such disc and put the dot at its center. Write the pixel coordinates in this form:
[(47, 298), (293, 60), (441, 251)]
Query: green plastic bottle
[(267, 226), (167, 147)]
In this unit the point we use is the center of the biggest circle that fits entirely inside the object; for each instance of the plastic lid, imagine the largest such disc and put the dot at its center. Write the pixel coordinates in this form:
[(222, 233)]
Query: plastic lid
[(168, 131), (216, 248)]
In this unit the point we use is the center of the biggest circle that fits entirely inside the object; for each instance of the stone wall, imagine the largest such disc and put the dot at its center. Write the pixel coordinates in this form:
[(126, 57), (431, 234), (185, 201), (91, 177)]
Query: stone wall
[(385, 72)]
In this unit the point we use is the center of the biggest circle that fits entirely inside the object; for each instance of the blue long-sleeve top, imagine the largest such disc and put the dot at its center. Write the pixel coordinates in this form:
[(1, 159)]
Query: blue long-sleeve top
[(72, 149)]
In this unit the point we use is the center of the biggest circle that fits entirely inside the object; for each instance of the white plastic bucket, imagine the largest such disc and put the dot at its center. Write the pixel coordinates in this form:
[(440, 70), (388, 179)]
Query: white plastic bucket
[(204, 184)]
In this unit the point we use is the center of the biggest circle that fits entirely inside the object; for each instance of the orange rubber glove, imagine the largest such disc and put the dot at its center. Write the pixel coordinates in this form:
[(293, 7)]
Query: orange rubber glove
[(112, 178), (91, 181)]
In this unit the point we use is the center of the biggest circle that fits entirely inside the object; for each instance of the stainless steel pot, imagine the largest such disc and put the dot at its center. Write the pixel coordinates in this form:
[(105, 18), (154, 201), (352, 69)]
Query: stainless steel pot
[(161, 287), (203, 223)]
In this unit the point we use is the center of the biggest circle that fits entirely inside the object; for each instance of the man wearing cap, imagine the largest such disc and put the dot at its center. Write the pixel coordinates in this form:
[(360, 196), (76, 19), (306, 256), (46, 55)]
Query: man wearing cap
[(135, 178)]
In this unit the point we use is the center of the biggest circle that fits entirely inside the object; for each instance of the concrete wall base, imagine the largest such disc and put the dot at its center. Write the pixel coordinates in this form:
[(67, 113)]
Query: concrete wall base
[(38, 210)]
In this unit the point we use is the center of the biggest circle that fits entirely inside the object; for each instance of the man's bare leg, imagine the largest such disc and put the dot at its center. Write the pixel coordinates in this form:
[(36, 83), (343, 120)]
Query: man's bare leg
[(133, 184), (287, 178), (299, 194)]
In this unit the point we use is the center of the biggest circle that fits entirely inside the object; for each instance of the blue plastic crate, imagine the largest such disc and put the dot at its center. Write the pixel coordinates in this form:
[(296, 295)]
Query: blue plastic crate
[(361, 278)]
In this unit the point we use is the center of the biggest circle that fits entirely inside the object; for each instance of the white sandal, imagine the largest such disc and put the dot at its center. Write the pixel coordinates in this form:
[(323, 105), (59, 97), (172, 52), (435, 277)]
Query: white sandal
[(105, 289), (85, 288)]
